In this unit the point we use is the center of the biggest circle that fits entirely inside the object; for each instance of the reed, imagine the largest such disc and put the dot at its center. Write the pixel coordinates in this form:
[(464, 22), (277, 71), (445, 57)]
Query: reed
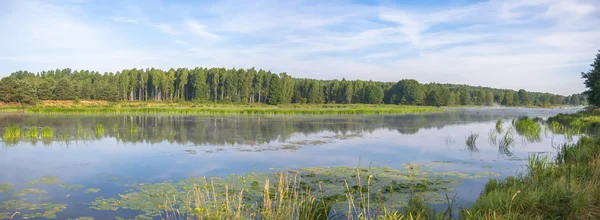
[(471, 142), (243, 110), (47, 133)]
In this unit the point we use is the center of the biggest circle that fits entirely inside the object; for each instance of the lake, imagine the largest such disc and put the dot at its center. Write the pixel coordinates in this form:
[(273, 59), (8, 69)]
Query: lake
[(88, 161)]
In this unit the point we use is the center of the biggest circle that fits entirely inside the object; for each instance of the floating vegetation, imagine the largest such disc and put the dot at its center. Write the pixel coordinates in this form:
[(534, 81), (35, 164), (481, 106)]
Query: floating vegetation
[(248, 193), (308, 142), (29, 191), (92, 190), (471, 142), (47, 133), (499, 126), (529, 128), (506, 142), (82, 218), (46, 210), (71, 186), (48, 180), (5, 187)]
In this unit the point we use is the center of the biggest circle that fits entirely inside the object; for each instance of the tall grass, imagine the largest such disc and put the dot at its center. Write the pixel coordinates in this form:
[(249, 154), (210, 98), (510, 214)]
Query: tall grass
[(32, 133), (99, 130), (566, 188), (506, 142), (286, 199), (245, 110)]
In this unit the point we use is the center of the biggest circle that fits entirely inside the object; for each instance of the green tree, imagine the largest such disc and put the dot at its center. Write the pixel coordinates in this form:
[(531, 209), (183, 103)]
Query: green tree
[(524, 97), (17, 90), (407, 92), (373, 94), (592, 82), (64, 89), (275, 91)]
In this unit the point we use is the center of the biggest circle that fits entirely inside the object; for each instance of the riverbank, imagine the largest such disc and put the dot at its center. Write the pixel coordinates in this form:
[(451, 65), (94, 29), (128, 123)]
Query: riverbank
[(101, 107)]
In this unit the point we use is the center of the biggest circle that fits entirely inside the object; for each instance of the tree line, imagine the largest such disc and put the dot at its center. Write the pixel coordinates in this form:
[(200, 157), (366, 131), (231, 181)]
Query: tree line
[(221, 85)]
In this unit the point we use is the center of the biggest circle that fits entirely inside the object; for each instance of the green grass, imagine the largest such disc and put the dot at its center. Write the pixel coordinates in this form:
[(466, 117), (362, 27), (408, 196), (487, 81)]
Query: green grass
[(12, 132), (290, 109), (567, 187)]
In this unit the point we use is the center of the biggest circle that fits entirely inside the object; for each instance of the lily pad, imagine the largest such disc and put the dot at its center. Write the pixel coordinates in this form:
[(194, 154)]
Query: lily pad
[(5, 187), (46, 210), (29, 191), (71, 186), (47, 180), (92, 190)]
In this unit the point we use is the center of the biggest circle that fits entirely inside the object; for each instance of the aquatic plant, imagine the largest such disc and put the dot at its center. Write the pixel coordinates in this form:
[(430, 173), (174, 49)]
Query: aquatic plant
[(99, 130), (506, 142), (32, 133), (5, 187), (47, 133), (47, 180), (45, 210), (29, 191), (493, 137), (471, 142), (12, 132), (92, 190), (309, 193), (529, 128), (71, 186), (499, 126)]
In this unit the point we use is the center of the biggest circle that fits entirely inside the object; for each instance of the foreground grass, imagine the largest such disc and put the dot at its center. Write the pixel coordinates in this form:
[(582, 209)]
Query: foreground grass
[(86, 107)]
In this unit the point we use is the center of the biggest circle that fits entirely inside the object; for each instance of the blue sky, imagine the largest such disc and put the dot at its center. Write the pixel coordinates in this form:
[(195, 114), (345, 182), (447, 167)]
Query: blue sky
[(539, 45)]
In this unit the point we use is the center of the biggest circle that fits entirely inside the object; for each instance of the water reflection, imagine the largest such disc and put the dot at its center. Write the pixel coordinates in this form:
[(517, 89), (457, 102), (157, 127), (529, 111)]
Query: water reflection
[(245, 130)]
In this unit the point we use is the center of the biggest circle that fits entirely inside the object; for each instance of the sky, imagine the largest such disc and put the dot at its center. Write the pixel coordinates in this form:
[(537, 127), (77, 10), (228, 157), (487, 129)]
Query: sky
[(537, 45)]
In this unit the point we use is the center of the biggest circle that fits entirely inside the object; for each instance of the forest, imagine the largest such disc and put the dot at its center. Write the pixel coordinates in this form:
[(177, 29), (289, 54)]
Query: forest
[(221, 85)]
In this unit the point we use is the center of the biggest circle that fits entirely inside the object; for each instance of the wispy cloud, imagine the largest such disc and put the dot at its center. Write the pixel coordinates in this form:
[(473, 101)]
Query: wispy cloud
[(199, 30), (538, 45)]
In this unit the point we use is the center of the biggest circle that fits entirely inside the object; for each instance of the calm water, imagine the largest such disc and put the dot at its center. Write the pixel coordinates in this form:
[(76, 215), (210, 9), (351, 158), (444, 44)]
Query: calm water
[(148, 149)]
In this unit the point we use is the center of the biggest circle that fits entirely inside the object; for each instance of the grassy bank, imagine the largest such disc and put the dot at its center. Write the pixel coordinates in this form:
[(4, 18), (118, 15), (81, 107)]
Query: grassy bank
[(87, 107)]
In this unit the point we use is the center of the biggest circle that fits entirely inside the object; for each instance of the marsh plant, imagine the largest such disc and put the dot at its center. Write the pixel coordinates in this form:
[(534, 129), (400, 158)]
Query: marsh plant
[(493, 137), (471, 142), (499, 126), (32, 133), (99, 130), (506, 142), (12, 132), (47, 133), (529, 128)]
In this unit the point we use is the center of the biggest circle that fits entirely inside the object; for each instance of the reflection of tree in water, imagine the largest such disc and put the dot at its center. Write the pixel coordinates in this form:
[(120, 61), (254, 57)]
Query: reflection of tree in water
[(230, 130)]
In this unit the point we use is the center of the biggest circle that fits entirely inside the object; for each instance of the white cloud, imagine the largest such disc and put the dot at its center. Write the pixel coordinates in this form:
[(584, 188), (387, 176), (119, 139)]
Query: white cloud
[(199, 30), (537, 44)]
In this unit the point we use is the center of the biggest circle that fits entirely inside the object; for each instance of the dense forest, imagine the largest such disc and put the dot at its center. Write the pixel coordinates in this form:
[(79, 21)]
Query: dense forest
[(221, 85)]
